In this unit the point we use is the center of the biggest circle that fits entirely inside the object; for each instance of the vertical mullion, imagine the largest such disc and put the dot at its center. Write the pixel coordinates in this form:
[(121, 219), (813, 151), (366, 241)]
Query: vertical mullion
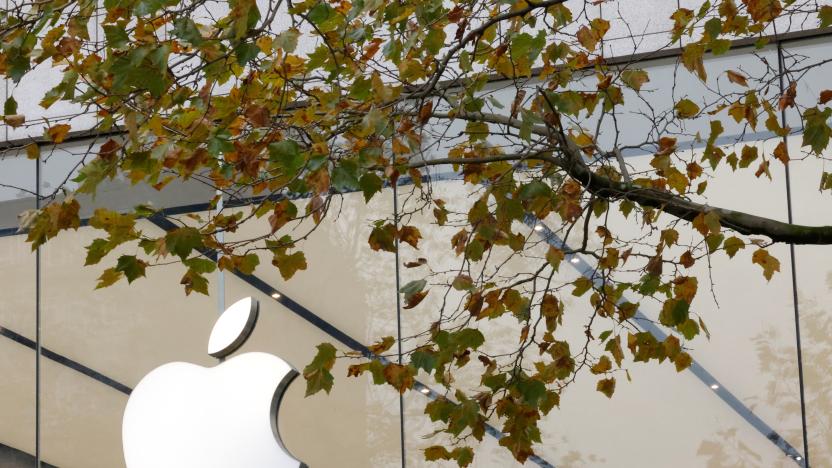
[(37, 324), (395, 185), (781, 72)]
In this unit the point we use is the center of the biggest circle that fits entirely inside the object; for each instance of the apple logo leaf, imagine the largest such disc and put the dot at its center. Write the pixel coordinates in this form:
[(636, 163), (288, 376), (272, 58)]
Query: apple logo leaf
[(233, 327), (182, 415)]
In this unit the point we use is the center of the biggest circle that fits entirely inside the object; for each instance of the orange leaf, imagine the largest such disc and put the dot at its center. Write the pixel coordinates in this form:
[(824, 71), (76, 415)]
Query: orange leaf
[(57, 133)]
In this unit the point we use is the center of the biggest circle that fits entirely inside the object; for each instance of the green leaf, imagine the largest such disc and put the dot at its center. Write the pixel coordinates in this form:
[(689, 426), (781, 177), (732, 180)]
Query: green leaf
[(185, 29), (131, 266), (182, 241), (289, 264), (246, 52), (370, 184), (287, 154), (10, 107), (194, 281), (816, 131), (689, 329), (469, 338), (110, 276), (116, 36), (345, 176), (534, 189), (317, 373), (97, 250), (423, 359), (532, 391), (201, 265)]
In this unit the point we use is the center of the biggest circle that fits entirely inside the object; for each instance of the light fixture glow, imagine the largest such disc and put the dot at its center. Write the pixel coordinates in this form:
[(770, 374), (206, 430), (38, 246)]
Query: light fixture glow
[(798, 458), (575, 260), (538, 228), (275, 296), (714, 386), (425, 390)]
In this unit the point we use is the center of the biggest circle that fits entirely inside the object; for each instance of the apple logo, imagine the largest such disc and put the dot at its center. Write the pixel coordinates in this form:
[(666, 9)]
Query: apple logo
[(182, 415)]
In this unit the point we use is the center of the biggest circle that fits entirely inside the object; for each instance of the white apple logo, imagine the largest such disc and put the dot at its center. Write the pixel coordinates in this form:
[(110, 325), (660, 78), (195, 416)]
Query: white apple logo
[(183, 415)]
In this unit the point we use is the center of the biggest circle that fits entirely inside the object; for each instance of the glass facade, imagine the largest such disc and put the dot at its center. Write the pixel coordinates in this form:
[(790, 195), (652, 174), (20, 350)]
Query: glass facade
[(739, 405)]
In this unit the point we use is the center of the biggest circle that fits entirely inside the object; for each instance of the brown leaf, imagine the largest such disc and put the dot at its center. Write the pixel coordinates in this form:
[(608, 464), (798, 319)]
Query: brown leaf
[(410, 235), (258, 116), (419, 262), (737, 78), (518, 101), (825, 96), (425, 112), (415, 299), (654, 266), (787, 99), (782, 153)]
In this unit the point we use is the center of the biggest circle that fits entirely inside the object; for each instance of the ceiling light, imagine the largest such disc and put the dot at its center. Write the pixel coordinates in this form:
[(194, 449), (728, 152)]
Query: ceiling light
[(798, 458), (275, 295), (575, 260), (714, 386), (538, 228), (425, 390)]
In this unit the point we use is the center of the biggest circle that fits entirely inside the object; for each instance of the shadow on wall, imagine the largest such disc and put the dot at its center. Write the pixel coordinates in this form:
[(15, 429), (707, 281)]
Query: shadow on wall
[(13, 458), (776, 365)]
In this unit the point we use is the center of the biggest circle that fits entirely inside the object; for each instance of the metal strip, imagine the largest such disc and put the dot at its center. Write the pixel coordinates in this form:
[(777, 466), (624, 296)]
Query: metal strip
[(65, 361), (399, 315)]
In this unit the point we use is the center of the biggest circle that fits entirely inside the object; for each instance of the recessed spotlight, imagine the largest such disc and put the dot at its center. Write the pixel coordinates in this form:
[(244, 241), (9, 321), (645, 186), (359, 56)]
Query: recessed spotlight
[(425, 390), (714, 387), (275, 296), (575, 260), (798, 458), (538, 228)]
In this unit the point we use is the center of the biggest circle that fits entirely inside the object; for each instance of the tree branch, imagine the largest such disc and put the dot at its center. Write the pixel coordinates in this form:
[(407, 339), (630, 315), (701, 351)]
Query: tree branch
[(603, 187)]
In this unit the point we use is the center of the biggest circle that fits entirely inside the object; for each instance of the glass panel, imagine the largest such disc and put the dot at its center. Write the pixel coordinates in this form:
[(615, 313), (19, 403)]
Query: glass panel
[(17, 313), (695, 424), (17, 354), (814, 274), (105, 341), (353, 290)]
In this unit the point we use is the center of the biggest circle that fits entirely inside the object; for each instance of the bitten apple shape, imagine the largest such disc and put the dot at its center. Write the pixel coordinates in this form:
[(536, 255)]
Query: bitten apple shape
[(182, 415)]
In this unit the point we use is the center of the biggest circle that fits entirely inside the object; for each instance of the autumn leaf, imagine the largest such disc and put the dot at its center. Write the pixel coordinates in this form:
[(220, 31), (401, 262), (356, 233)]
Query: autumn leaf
[(57, 133), (317, 373), (399, 376), (14, 120), (737, 78), (606, 386), (635, 79), (686, 109), (768, 263)]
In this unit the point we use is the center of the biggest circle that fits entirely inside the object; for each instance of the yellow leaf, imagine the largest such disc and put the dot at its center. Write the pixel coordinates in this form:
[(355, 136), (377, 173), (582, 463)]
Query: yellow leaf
[(57, 133), (767, 262)]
